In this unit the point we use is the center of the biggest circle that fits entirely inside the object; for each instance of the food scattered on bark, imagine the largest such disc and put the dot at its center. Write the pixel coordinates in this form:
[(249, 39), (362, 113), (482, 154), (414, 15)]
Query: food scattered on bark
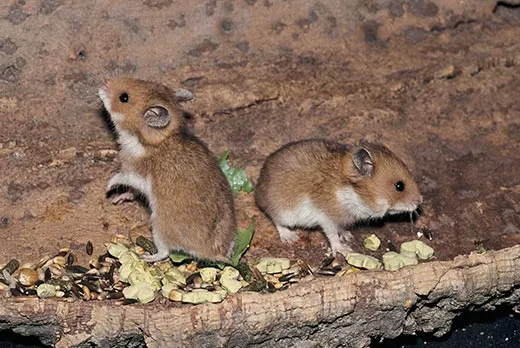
[(46, 290), (270, 265), (394, 261), (372, 242), (363, 261), (89, 248), (229, 280), (120, 274), (417, 247)]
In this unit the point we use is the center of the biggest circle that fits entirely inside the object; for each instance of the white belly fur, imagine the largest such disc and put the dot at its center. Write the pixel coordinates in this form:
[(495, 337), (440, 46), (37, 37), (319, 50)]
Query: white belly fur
[(306, 214)]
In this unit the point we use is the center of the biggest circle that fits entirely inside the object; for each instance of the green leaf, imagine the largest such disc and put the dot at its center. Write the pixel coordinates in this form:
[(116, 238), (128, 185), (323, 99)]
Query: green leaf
[(243, 240), (223, 161), (179, 256), (237, 177), (248, 186)]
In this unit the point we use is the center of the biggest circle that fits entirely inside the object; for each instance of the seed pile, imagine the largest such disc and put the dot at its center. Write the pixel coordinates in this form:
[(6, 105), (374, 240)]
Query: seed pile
[(59, 276), (199, 282), (121, 275)]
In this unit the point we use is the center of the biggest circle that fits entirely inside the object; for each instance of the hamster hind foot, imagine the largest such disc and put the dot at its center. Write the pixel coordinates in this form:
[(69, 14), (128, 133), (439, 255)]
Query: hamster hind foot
[(122, 197)]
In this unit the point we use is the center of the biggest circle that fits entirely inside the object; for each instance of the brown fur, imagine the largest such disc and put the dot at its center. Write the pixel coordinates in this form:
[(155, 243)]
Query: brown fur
[(194, 204), (319, 168)]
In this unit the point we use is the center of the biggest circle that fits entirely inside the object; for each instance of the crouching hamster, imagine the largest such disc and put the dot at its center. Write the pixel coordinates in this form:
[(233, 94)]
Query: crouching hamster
[(189, 197), (319, 183)]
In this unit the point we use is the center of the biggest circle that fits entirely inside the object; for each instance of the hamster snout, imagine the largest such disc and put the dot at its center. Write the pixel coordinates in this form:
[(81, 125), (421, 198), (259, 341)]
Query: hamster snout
[(189, 197), (319, 183)]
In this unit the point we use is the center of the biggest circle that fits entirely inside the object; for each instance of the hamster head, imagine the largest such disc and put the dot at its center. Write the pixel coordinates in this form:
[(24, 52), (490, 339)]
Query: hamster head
[(144, 109), (382, 180)]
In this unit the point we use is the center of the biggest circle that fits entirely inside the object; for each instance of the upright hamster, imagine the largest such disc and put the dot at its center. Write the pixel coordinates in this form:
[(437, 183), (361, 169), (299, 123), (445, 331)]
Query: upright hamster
[(189, 197), (319, 183)]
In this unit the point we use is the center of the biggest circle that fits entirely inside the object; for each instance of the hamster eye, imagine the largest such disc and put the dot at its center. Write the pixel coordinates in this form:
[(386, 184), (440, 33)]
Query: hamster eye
[(399, 186), (123, 97)]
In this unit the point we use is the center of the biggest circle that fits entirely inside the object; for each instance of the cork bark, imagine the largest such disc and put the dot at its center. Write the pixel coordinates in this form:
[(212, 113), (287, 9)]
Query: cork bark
[(340, 311), (382, 56)]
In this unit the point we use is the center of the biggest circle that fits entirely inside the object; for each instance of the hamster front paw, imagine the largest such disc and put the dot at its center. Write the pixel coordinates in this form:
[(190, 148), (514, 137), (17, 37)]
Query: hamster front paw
[(287, 235), (342, 249), (345, 237)]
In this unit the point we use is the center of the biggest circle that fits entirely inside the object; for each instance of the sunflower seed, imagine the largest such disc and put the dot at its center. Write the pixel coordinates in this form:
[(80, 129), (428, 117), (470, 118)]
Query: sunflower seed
[(94, 263), (43, 262), (336, 268), (305, 268), (125, 301), (86, 293), (270, 287), (62, 253), (327, 262), (76, 269), (284, 287), (31, 292), (77, 290), (91, 286), (110, 274), (115, 295), (103, 257), (59, 260), (287, 277), (71, 259), (89, 248), (56, 270), (326, 272), (190, 281), (48, 275)]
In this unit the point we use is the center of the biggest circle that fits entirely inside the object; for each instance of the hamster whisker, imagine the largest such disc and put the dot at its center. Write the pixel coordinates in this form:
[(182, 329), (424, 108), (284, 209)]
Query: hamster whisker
[(97, 79), (94, 102)]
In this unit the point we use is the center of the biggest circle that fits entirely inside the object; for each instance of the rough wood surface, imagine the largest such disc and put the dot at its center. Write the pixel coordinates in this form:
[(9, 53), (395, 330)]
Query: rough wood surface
[(337, 69), (348, 311)]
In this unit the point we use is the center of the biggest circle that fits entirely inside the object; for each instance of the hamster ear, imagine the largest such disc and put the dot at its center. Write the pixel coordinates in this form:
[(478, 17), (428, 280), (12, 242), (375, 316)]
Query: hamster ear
[(157, 116), (363, 162), (183, 95)]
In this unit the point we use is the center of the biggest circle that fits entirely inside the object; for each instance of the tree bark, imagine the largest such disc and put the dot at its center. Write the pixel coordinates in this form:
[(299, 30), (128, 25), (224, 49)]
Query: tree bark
[(345, 311)]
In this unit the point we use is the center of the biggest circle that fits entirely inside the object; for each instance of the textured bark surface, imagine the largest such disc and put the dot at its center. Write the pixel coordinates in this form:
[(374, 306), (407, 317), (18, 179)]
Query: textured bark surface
[(437, 81), (349, 311)]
